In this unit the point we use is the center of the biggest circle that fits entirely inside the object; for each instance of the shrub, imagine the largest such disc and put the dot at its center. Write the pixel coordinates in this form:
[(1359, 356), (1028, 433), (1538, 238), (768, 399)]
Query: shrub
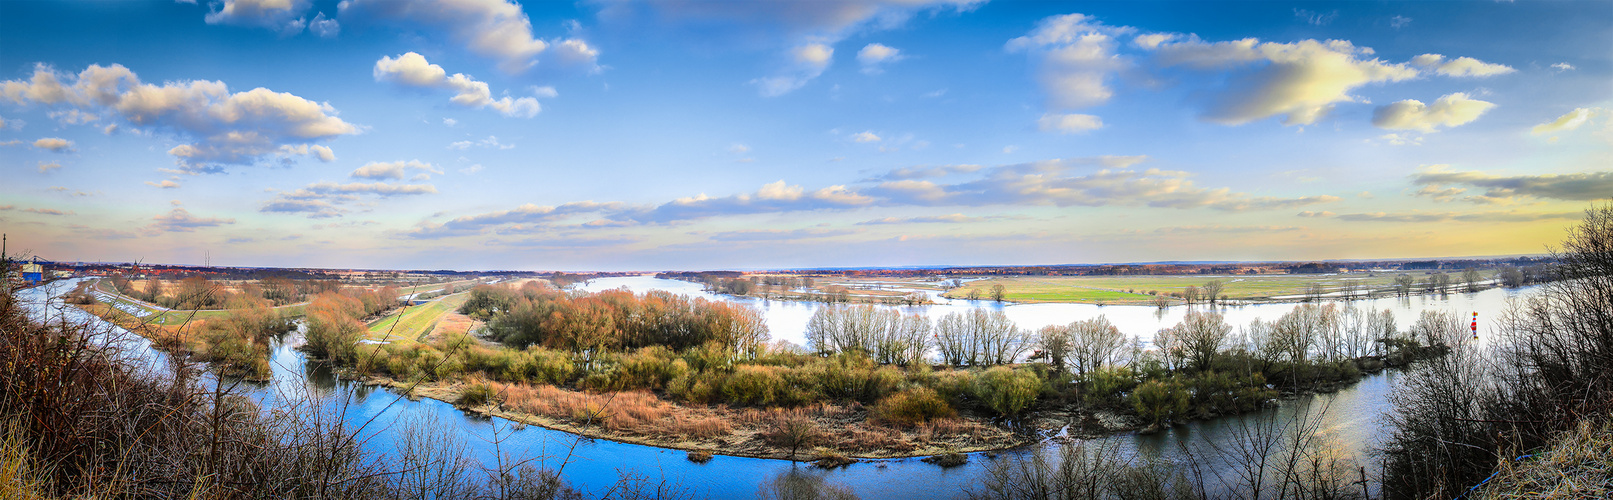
[(912, 407), (650, 368), (957, 386), (791, 429), (477, 394), (1108, 386), (1159, 402), (1008, 391), (754, 385)]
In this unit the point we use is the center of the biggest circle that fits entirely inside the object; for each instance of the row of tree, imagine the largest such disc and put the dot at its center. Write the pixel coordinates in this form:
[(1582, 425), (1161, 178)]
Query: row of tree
[(536, 314), (198, 292), (336, 319), (1309, 332), (974, 338)]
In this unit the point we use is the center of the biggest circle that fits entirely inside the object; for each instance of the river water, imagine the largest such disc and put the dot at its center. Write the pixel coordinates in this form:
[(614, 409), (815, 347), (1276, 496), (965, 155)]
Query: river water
[(1352, 418)]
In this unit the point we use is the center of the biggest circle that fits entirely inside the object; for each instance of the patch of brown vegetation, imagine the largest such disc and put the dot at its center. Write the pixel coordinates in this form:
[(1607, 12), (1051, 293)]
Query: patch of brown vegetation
[(641, 417)]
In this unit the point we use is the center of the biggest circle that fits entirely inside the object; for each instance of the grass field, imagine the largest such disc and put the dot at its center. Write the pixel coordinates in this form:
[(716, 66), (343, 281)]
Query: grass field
[(416, 321), (432, 287), (1135, 289)]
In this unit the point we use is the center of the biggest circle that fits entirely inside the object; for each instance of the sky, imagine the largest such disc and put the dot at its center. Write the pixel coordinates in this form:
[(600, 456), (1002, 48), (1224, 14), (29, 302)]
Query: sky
[(619, 135)]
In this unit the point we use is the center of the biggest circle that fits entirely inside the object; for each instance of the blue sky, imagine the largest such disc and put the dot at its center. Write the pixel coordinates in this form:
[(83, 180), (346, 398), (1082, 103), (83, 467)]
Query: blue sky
[(678, 134)]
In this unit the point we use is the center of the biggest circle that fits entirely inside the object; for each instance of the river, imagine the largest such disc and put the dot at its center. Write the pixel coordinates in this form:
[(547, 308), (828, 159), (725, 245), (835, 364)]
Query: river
[(1352, 418)]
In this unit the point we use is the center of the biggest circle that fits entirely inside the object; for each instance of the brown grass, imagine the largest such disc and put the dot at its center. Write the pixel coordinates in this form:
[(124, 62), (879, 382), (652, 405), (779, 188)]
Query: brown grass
[(1578, 465), (644, 418)]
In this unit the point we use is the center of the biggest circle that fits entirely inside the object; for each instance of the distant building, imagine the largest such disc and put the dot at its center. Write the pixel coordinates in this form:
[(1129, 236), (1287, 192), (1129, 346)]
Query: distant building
[(33, 273)]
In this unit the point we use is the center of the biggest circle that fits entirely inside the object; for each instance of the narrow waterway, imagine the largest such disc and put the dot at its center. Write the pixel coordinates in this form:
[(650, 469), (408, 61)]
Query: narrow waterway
[(1352, 419)]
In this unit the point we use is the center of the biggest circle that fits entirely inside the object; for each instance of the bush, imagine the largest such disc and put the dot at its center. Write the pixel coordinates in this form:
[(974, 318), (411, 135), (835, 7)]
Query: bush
[(754, 385), (1159, 402), (477, 394), (1108, 386), (793, 430), (1008, 391), (957, 386), (912, 407)]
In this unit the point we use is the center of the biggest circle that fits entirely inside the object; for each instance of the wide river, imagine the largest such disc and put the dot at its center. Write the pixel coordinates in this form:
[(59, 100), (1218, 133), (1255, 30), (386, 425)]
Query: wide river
[(1352, 418)]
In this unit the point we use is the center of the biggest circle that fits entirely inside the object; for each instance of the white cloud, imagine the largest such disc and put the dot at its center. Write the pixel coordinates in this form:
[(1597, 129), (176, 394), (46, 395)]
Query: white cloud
[(1049, 183), (1078, 56), (46, 167), (72, 117), (489, 142), (545, 91), (1562, 66), (1316, 18), (865, 136), (180, 220), (1402, 139), (1449, 111), (1300, 81), (449, 121), (807, 61), (1568, 121), (873, 55), (321, 153), (1583, 186), (471, 170), (283, 16), (493, 28), (412, 70), (327, 199), (576, 52), (226, 127), (1399, 21), (1461, 66), (54, 144), (1072, 123), (166, 184), (324, 27), (392, 170), (738, 149)]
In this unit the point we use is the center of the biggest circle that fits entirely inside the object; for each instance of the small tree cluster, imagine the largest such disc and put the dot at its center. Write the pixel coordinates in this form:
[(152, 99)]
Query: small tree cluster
[(884, 335)]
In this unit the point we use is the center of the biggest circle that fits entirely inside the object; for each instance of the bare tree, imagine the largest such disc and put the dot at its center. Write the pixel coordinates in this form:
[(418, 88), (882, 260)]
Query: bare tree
[(1055, 343), (1471, 277), (1213, 290), (1096, 343), (1201, 336), (1190, 294), (1403, 284), (998, 291), (1168, 344), (1442, 282), (884, 335), (979, 337)]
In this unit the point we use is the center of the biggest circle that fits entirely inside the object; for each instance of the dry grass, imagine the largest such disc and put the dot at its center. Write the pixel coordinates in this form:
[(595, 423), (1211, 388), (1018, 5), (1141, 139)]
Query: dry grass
[(637, 412), (1578, 465), (643, 417)]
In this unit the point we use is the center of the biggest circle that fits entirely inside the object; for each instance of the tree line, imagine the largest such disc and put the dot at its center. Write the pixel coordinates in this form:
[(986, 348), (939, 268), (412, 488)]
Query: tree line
[(613, 320)]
